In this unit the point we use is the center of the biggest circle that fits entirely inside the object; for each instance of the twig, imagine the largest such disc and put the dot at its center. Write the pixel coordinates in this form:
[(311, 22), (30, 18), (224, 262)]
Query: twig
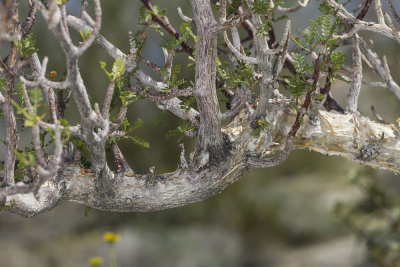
[(239, 55), (42, 80), (184, 164), (29, 21), (96, 29), (294, 8), (164, 96), (183, 17), (355, 87), (393, 10), (168, 27), (381, 68), (107, 100), (239, 105), (120, 161), (376, 115), (364, 11)]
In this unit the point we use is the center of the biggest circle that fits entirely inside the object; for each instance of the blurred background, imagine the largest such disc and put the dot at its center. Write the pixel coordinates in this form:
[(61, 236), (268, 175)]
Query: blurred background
[(313, 210)]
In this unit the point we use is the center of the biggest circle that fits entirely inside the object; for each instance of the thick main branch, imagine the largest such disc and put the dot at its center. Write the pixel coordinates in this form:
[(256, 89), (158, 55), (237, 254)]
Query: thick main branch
[(355, 138)]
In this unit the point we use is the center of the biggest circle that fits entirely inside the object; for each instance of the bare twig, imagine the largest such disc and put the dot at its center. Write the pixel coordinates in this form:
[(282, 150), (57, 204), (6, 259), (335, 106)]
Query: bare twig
[(120, 162), (381, 68), (183, 17), (294, 8), (358, 24), (29, 21), (364, 11), (164, 96), (376, 115), (42, 80), (393, 10), (107, 100), (239, 55), (355, 87)]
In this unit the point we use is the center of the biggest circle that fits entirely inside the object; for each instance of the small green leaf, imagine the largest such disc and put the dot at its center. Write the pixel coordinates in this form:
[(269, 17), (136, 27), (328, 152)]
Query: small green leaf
[(300, 64), (26, 160), (318, 96), (87, 209), (86, 34), (139, 141), (128, 97), (26, 47), (3, 84), (103, 66), (118, 68)]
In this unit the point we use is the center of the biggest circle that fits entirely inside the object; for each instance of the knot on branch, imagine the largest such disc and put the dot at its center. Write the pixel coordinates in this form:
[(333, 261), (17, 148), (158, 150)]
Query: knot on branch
[(370, 150)]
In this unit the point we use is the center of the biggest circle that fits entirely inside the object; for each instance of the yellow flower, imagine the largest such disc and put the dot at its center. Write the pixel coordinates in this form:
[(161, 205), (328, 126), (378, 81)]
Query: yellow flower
[(96, 261), (260, 122), (53, 75), (111, 237)]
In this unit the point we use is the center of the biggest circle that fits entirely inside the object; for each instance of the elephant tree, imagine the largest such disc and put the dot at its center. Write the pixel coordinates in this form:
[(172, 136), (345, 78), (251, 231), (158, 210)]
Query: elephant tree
[(259, 128)]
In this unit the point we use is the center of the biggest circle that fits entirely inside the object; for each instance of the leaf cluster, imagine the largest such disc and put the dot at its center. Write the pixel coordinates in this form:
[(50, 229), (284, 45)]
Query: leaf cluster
[(319, 34), (26, 46), (117, 71), (180, 131), (128, 128), (241, 74)]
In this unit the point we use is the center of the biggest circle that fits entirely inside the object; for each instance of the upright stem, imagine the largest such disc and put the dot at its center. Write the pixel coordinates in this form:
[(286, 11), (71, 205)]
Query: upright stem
[(11, 132), (261, 47), (210, 137), (355, 87), (11, 125)]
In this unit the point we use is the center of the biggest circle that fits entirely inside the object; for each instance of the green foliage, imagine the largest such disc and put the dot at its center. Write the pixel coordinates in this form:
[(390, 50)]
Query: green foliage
[(242, 74), (128, 97), (318, 96), (327, 26), (319, 34), (117, 71), (85, 35), (26, 47), (128, 128), (233, 6), (31, 118), (300, 64), (186, 34), (262, 7), (65, 133), (337, 59), (25, 159), (173, 82), (86, 212), (187, 102), (3, 84), (180, 131), (36, 97), (139, 141), (118, 68)]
